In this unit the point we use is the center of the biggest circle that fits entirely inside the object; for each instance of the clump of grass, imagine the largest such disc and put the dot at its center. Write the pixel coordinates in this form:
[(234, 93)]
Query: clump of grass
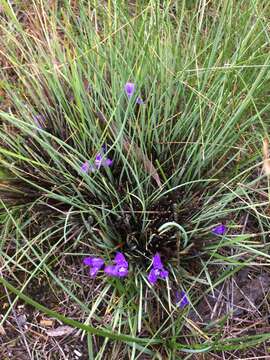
[(188, 157)]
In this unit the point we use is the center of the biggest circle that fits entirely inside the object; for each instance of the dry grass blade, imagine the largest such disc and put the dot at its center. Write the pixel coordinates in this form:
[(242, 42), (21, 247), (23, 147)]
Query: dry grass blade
[(266, 160)]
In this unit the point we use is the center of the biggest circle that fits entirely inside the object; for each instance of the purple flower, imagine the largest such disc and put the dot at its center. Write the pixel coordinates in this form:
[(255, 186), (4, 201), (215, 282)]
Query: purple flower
[(95, 264), (120, 269), (130, 90), (181, 299), (157, 270), (139, 101), (100, 161), (219, 230)]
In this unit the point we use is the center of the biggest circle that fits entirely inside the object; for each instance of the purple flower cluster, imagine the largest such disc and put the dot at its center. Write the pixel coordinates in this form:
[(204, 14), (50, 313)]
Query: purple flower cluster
[(118, 269), (130, 90), (100, 161)]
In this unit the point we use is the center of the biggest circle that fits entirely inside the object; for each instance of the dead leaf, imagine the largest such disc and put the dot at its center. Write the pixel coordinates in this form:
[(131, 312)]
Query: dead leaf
[(60, 331), (21, 320), (46, 322)]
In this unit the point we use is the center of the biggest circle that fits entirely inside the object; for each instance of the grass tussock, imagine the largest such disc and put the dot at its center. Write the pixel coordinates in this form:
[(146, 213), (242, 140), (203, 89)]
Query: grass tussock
[(186, 156)]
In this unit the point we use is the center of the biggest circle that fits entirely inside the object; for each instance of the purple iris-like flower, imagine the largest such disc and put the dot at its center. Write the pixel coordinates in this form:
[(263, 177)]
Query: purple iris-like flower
[(157, 271), (181, 299), (219, 230), (95, 264), (120, 269), (100, 161), (139, 101), (130, 90)]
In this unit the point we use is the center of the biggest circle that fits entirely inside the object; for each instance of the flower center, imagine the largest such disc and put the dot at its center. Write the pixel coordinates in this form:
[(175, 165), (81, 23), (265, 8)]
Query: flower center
[(157, 272), (122, 270)]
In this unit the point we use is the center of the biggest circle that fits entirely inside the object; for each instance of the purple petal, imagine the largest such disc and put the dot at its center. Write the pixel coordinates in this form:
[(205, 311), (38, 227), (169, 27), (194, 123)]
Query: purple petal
[(139, 101), (97, 262), (122, 271), (129, 89), (153, 276), (99, 157), (38, 123), (111, 270), (108, 162), (219, 230), (85, 167), (88, 261), (120, 260), (94, 262), (98, 160), (157, 264), (163, 274), (93, 271), (181, 299)]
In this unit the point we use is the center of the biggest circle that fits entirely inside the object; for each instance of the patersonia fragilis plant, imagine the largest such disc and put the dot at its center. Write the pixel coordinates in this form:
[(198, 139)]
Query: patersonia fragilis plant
[(173, 166)]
